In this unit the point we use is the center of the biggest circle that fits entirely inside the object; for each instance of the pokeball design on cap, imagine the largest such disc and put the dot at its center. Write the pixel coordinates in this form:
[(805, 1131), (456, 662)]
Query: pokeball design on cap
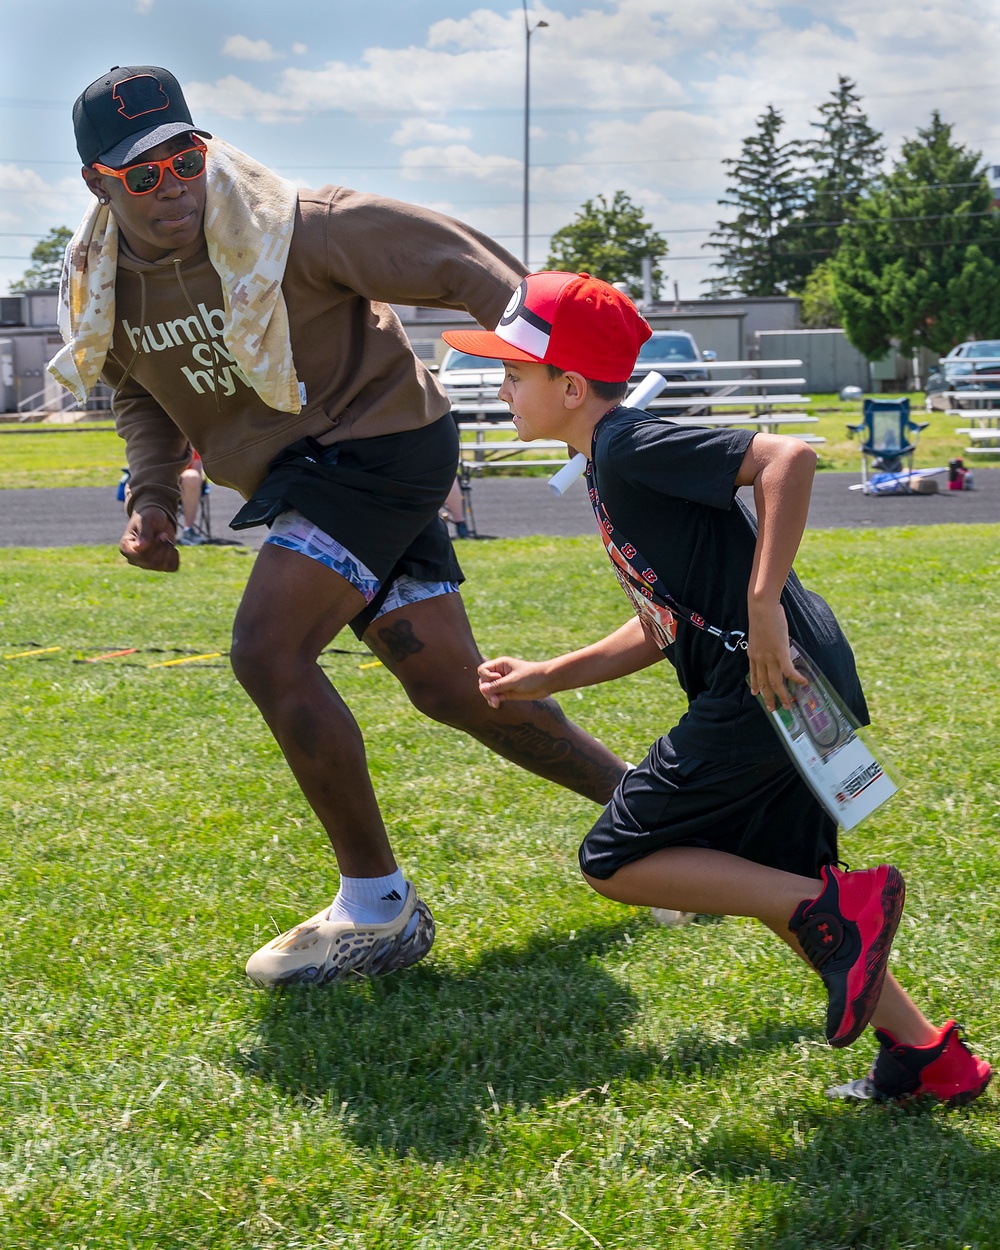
[(521, 327), (569, 320), (514, 303)]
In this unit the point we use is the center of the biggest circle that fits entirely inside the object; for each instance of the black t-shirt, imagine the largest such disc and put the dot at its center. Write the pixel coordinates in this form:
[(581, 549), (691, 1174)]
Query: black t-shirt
[(670, 491)]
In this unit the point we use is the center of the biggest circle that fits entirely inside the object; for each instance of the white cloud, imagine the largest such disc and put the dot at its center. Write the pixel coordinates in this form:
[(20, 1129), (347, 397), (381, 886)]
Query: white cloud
[(482, 29), (300, 49), (477, 63), (458, 161), (143, 6), (419, 130), (29, 200), (241, 48), (235, 97), (900, 78)]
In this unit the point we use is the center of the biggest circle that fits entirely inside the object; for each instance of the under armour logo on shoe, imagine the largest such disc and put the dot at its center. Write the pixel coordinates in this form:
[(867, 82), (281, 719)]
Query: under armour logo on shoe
[(826, 935), (393, 896)]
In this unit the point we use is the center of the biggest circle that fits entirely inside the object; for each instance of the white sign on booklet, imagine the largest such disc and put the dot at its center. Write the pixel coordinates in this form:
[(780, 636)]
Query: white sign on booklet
[(821, 737)]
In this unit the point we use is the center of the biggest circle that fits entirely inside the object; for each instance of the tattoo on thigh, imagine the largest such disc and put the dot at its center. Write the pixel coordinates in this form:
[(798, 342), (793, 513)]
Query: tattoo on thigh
[(398, 641)]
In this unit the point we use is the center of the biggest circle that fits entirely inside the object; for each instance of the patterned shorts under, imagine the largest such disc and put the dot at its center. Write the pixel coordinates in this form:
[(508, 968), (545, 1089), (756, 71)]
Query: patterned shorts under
[(295, 532)]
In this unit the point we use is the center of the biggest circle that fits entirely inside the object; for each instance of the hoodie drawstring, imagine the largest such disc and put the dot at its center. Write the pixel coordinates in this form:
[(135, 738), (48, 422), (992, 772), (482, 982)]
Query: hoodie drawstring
[(211, 342), (138, 339)]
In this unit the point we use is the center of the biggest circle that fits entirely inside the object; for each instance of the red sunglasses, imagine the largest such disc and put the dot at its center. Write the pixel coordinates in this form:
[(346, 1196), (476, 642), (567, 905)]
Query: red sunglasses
[(146, 176)]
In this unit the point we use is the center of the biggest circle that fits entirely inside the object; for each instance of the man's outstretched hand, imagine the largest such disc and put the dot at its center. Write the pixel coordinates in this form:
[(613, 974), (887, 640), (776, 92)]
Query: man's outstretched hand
[(148, 541)]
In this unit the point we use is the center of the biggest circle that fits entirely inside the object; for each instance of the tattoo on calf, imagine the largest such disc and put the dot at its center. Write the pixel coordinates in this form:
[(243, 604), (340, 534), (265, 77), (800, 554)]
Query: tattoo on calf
[(399, 640), (528, 742), (559, 759), (553, 709)]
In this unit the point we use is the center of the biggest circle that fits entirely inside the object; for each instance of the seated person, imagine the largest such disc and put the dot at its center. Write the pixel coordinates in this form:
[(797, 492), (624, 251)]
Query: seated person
[(192, 485), (453, 510)]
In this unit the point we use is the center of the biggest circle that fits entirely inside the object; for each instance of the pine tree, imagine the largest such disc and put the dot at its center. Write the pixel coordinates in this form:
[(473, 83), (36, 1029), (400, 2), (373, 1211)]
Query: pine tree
[(609, 241), (48, 258), (819, 309), (760, 248), (846, 157), (919, 260)]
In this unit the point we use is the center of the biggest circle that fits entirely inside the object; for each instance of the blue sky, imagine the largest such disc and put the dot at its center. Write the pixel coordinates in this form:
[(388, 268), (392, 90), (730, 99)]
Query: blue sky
[(424, 99)]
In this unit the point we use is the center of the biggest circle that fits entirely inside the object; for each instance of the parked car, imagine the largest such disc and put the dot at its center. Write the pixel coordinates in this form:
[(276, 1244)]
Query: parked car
[(675, 354), (471, 383), (972, 366)]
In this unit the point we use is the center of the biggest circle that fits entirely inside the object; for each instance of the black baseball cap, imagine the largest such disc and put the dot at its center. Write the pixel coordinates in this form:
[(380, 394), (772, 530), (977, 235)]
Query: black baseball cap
[(127, 111)]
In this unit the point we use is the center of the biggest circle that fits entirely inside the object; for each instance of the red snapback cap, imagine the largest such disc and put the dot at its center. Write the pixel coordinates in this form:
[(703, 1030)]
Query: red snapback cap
[(569, 320)]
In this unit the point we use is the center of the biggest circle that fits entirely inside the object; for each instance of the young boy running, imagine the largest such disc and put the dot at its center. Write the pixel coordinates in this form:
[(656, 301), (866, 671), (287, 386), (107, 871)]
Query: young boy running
[(716, 819)]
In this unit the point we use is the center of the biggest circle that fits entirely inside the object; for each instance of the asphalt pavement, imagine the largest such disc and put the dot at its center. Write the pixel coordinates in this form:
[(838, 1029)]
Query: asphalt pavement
[(504, 507)]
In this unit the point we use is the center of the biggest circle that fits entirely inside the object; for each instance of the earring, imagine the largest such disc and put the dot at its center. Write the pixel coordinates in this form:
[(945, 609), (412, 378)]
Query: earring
[(102, 199)]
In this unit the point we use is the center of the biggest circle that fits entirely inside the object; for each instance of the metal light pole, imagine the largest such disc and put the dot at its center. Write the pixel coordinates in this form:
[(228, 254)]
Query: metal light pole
[(529, 30)]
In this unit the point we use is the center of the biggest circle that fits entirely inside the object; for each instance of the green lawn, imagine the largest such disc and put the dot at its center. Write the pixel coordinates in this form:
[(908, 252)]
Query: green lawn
[(45, 456), (63, 456), (560, 1072)]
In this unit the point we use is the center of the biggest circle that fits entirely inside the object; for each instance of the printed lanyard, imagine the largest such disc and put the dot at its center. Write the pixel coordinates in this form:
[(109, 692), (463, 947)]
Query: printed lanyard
[(647, 583)]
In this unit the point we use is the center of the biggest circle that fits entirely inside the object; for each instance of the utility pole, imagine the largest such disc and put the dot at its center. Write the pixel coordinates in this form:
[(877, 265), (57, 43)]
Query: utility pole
[(529, 30)]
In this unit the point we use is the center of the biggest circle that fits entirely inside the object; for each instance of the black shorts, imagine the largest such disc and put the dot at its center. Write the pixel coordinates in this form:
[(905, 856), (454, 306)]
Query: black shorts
[(762, 812), (379, 497)]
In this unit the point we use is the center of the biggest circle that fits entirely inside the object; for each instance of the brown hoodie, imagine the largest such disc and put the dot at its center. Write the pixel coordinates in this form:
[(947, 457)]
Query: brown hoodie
[(351, 255)]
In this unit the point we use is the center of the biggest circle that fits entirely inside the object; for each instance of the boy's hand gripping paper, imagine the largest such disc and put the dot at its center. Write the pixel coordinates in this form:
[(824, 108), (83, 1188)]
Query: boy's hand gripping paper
[(822, 739)]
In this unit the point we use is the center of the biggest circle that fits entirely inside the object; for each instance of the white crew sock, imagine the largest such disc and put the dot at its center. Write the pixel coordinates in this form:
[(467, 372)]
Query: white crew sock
[(369, 900)]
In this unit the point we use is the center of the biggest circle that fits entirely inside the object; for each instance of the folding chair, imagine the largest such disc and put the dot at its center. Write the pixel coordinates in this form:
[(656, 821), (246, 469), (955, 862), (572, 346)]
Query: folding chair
[(886, 431), (203, 523), (465, 485)]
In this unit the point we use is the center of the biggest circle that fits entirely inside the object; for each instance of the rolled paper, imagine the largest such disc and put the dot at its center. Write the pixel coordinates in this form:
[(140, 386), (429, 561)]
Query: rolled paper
[(563, 478)]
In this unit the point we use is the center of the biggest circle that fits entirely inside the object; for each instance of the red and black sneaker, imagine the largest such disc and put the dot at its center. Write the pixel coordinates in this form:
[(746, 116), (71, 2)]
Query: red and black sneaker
[(846, 933), (945, 1071)]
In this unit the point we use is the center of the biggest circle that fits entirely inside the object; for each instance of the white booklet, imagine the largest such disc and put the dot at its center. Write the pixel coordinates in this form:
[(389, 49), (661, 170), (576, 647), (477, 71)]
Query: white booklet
[(821, 737)]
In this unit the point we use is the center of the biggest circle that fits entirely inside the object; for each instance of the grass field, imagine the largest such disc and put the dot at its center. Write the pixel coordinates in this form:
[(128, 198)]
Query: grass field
[(44, 456), (560, 1072), (48, 456)]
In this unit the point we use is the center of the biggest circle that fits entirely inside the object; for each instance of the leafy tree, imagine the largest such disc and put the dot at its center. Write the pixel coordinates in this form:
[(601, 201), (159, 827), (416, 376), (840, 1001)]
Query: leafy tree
[(819, 308), (760, 248), (48, 258), (609, 241), (919, 260), (846, 157)]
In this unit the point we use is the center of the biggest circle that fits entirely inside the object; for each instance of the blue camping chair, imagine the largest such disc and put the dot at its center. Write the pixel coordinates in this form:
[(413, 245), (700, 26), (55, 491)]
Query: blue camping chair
[(204, 522), (886, 431)]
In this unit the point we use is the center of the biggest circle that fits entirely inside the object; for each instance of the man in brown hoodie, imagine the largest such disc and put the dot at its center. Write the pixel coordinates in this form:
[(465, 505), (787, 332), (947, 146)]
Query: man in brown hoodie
[(350, 483)]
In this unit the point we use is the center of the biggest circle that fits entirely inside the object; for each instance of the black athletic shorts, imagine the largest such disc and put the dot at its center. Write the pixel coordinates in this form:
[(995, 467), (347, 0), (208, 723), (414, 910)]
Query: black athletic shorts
[(379, 497), (762, 812)]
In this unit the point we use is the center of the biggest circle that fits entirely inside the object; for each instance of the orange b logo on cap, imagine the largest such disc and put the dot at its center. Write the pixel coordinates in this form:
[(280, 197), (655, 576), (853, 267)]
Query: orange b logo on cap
[(140, 95)]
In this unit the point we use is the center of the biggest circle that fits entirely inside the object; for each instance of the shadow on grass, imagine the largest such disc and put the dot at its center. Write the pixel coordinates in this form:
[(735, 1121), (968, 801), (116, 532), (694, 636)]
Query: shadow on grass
[(426, 1061), (868, 1178)]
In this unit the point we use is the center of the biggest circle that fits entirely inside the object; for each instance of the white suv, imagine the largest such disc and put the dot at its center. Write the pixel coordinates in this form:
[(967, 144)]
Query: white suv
[(471, 383)]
